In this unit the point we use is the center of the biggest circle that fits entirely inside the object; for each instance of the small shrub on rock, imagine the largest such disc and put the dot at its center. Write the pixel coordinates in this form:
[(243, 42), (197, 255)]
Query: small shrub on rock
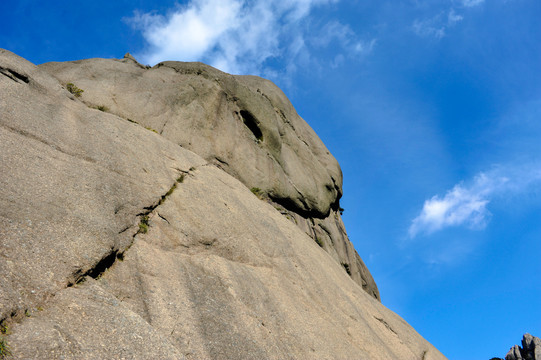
[(143, 225), (101, 108), (74, 90), (4, 349), (257, 192)]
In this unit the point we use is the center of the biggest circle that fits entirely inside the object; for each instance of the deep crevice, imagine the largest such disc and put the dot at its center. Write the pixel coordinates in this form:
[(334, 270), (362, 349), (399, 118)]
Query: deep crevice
[(251, 123), (105, 263), (290, 205), (346, 267), (221, 161), (13, 75), (152, 207), (336, 204), (110, 258)]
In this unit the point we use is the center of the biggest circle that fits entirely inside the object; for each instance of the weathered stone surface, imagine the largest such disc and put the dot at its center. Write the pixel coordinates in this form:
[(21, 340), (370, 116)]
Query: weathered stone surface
[(73, 180), (330, 234), (243, 124), (530, 350), (86, 322), (180, 260)]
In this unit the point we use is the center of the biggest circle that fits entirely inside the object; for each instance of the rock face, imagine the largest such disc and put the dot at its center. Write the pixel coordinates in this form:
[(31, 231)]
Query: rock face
[(243, 124), (530, 350), (116, 242)]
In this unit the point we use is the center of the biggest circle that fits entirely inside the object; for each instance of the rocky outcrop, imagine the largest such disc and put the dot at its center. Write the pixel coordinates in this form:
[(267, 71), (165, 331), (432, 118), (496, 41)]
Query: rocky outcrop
[(530, 350), (116, 242), (245, 125)]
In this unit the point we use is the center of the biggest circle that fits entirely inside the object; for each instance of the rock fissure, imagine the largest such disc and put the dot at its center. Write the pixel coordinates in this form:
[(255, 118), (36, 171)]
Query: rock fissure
[(124, 230), (324, 228), (381, 320), (151, 208), (110, 258), (252, 124), (105, 263), (290, 205), (163, 218), (14, 75), (223, 162)]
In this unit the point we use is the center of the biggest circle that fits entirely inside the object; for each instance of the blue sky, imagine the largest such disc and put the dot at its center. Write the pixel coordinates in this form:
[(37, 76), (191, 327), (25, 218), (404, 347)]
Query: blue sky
[(432, 108)]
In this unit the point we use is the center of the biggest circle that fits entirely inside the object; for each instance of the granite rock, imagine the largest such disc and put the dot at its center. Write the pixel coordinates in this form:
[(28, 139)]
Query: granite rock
[(243, 124), (116, 242), (530, 350)]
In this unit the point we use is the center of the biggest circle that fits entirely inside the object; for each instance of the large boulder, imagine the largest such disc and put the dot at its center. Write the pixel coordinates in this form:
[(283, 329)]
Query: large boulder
[(115, 242), (243, 124)]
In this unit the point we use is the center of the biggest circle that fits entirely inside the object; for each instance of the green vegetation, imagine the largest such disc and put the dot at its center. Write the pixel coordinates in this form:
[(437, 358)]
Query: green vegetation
[(180, 179), (192, 168), (101, 108), (143, 224), (4, 348), (346, 267), (74, 89), (169, 192), (319, 241), (257, 192), (151, 129)]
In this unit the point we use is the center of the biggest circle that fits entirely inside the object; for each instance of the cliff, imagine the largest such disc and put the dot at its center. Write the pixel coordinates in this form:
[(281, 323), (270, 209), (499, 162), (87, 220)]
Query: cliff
[(175, 212)]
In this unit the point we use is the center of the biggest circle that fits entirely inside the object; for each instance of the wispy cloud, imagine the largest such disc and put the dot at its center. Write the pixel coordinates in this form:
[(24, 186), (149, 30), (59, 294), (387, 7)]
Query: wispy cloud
[(466, 204), (239, 36), (472, 3), (344, 36), (453, 18), (436, 26)]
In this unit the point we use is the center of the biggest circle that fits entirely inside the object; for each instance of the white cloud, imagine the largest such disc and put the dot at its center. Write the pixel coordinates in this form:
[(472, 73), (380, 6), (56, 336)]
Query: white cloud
[(467, 204), (430, 27), (472, 3), (338, 35), (438, 25), (189, 31), (237, 36), (461, 205), (453, 18)]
